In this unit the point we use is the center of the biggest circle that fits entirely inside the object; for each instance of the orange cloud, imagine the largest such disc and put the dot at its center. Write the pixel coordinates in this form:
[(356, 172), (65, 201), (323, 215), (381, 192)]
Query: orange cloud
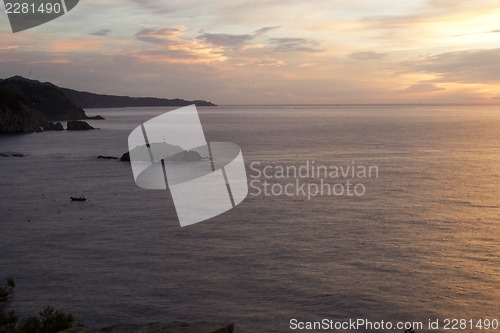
[(186, 53), (9, 47), (83, 45), (170, 45)]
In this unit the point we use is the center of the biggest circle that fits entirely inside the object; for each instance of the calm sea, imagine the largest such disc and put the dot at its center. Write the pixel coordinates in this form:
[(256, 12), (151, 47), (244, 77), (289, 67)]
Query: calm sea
[(422, 243)]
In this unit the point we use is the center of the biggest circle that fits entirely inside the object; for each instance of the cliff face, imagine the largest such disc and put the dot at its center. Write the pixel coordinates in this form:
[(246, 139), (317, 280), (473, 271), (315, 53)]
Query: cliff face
[(45, 97), (16, 113), (26, 105)]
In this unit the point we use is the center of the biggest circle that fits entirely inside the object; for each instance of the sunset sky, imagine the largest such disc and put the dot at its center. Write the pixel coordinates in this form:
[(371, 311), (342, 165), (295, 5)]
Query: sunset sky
[(268, 51)]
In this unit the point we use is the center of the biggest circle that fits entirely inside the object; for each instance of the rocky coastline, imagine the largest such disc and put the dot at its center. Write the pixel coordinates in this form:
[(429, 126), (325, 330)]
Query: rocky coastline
[(28, 106)]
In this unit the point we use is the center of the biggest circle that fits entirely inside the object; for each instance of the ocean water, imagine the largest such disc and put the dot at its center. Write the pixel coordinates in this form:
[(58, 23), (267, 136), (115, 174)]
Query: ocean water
[(423, 242)]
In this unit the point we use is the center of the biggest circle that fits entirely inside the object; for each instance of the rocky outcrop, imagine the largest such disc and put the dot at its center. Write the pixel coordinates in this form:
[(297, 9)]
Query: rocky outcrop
[(16, 113), (76, 125), (12, 155), (175, 327), (45, 97), (125, 157), (27, 105), (50, 126), (20, 119), (88, 100)]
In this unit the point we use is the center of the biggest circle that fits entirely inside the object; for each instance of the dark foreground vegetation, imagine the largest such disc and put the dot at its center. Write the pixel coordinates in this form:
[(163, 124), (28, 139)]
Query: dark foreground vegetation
[(48, 320)]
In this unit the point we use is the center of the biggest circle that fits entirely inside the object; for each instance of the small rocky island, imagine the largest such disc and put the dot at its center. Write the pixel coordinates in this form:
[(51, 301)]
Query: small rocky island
[(172, 153), (76, 125)]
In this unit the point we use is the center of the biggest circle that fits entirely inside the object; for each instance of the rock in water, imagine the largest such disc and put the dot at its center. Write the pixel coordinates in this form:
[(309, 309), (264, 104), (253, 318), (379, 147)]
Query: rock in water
[(175, 327), (98, 117), (50, 126), (77, 125), (125, 157)]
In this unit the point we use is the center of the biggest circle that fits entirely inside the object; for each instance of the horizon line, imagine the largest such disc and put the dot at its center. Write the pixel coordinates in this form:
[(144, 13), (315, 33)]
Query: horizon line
[(361, 104)]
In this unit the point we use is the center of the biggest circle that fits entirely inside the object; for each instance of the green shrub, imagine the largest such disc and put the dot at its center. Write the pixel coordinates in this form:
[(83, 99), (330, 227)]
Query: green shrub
[(8, 319), (49, 320)]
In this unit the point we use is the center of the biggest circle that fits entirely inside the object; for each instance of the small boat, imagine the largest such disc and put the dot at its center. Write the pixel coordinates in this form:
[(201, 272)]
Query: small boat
[(78, 199)]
